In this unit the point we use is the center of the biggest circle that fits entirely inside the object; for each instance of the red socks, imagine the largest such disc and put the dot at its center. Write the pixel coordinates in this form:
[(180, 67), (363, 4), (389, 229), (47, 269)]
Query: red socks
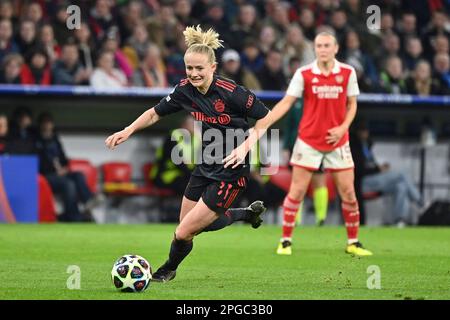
[(350, 211), (290, 208)]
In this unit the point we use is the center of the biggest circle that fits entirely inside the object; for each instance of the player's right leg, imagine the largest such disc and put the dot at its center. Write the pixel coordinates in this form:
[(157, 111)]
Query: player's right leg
[(186, 206), (192, 194), (301, 178), (304, 160)]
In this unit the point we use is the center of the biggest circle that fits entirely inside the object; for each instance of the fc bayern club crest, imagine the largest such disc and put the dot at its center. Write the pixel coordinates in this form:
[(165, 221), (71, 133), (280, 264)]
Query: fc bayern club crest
[(219, 105), (339, 79)]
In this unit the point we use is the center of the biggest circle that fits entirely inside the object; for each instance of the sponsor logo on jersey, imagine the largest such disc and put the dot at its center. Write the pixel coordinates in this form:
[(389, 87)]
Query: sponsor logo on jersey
[(327, 92), (315, 80), (222, 119)]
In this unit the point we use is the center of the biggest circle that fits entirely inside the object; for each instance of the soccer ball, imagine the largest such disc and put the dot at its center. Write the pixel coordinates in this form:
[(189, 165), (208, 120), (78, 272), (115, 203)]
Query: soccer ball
[(131, 273)]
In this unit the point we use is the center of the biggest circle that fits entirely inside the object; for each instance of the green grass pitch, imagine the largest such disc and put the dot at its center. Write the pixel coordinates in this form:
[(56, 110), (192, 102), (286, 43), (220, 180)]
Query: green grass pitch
[(235, 263)]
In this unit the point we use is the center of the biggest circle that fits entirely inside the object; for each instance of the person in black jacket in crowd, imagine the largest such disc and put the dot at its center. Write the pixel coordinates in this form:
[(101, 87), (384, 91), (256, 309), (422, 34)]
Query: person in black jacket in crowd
[(53, 164), (22, 134), (271, 76)]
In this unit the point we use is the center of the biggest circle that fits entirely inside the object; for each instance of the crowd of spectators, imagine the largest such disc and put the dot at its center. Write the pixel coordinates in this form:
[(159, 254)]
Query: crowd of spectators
[(123, 43)]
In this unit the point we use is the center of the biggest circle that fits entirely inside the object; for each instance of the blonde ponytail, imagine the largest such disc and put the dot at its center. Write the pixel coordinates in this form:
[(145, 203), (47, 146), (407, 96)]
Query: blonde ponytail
[(199, 41)]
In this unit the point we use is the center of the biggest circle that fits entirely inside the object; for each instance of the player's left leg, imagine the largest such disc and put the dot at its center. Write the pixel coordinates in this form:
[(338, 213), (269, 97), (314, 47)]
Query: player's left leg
[(305, 160), (344, 180), (301, 178), (193, 222)]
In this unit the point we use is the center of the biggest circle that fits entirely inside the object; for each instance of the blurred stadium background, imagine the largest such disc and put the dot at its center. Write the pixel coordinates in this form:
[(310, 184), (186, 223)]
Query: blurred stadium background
[(127, 55)]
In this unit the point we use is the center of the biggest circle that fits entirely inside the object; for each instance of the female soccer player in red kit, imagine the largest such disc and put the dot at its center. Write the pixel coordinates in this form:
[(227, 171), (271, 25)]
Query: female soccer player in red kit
[(329, 89)]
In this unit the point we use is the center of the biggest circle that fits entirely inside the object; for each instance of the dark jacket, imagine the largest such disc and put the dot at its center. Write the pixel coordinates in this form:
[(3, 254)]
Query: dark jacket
[(63, 75), (49, 151), (270, 80), (21, 141)]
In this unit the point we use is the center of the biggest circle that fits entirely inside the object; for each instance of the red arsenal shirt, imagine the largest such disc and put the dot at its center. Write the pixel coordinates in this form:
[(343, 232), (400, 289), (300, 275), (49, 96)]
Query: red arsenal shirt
[(324, 101)]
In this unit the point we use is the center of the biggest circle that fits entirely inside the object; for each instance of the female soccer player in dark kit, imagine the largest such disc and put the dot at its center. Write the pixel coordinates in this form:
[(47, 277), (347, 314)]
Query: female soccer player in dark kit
[(220, 105)]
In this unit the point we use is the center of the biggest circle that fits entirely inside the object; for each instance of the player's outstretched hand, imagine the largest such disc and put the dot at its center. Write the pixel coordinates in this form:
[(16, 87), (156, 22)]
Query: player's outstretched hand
[(236, 157), (117, 138)]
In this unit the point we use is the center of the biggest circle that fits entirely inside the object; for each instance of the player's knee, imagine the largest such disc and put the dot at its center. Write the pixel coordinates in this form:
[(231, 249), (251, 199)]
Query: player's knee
[(184, 234), (348, 193), (297, 194), (297, 190)]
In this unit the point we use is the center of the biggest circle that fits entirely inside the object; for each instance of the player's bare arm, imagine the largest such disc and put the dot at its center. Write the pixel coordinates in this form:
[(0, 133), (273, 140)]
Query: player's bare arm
[(281, 108), (145, 120), (335, 134), (237, 156)]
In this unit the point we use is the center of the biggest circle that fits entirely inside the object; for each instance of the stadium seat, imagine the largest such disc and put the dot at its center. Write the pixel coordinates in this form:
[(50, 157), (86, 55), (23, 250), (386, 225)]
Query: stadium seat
[(117, 180), (372, 195), (375, 204), (46, 207), (88, 170)]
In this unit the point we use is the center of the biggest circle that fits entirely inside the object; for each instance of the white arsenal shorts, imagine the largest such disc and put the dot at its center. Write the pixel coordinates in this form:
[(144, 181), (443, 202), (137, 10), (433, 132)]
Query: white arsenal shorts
[(309, 158)]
